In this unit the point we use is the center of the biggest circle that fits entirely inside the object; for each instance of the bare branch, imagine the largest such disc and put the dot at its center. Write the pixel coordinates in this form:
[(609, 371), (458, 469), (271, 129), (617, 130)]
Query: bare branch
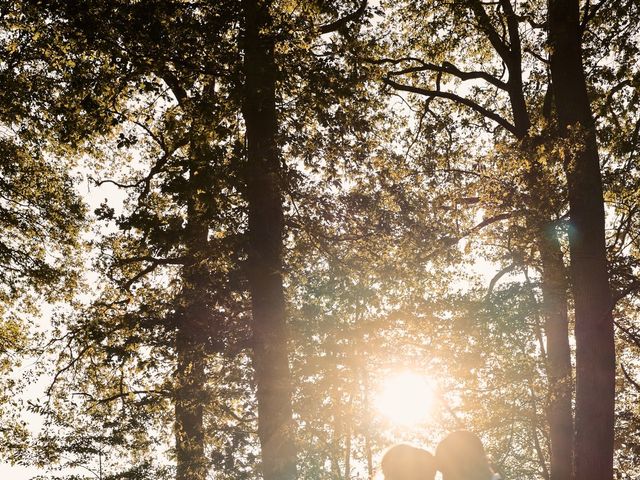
[(154, 263), (532, 23), (493, 219), (451, 69), (446, 67), (497, 277), (537, 56), (456, 98), (99, 183), (148, 258), (120, 395), (451, 241)]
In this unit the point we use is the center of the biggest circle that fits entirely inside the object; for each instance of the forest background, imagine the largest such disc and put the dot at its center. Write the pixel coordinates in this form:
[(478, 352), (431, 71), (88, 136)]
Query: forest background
[(307, 201)]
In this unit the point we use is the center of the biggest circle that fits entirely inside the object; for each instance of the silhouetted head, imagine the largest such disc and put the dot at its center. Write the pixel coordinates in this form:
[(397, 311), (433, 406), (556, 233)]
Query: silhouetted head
[(405, 462), (461, 456)]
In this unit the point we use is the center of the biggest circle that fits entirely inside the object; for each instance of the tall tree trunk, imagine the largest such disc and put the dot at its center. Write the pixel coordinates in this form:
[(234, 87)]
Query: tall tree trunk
[(556, 351), (367, 422), (554, 284), (554, 290), (191, 462), (554, 305), (349, 433), (347, 452), (266, 228), (595, 354)]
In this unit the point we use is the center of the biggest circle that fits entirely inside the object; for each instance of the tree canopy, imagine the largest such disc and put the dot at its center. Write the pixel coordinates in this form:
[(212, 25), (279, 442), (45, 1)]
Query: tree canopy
[(329, 227)]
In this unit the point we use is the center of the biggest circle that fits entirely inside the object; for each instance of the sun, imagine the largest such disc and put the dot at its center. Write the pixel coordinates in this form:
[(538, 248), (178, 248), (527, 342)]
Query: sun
[(406, 399)]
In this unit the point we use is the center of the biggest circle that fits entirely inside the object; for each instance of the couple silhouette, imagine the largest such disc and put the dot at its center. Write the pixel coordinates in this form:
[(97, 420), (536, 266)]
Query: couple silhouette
[(460, 456)]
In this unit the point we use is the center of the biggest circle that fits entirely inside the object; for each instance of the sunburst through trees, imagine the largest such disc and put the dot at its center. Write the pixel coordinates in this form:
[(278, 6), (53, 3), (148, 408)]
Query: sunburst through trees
[(324, 228)]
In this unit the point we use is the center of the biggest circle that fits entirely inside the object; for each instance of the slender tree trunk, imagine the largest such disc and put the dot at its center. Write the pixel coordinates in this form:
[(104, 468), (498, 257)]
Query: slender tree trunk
[(191, 462), (595, 354), (347, 452), (554, 285), (367, 423), (554, 300), (266, 229), (559, 409), (349, 433), (534, 432)]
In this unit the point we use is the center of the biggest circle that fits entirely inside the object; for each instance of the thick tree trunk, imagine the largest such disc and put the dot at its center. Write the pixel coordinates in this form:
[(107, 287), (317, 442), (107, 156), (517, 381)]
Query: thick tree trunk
[(266, 229), (559, 409), (556, 326), (595, 354)]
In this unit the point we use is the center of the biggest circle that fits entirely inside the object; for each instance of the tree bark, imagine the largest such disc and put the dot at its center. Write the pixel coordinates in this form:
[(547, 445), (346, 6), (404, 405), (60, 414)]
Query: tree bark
[(192, 320), (191, 463), (559, 372), (595, 354), (265, 245), (554, 282)]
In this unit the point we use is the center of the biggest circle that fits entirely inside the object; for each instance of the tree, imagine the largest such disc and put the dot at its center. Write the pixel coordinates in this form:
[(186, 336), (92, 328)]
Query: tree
[(264, 179), (508, 47), (41, 213), (595, 351), (171, 209), (315, 194)]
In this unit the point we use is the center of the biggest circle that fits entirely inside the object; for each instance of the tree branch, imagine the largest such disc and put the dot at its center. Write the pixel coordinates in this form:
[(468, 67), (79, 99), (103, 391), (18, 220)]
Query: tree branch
[(494, 37), (456, 98), (628, 377), (590, 13), (156, 260), (446, 67), (451, 69), (154, 263), (497, 277), (633, 287), (627, 331), (512, 26), (341, 22), (174, 84)]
